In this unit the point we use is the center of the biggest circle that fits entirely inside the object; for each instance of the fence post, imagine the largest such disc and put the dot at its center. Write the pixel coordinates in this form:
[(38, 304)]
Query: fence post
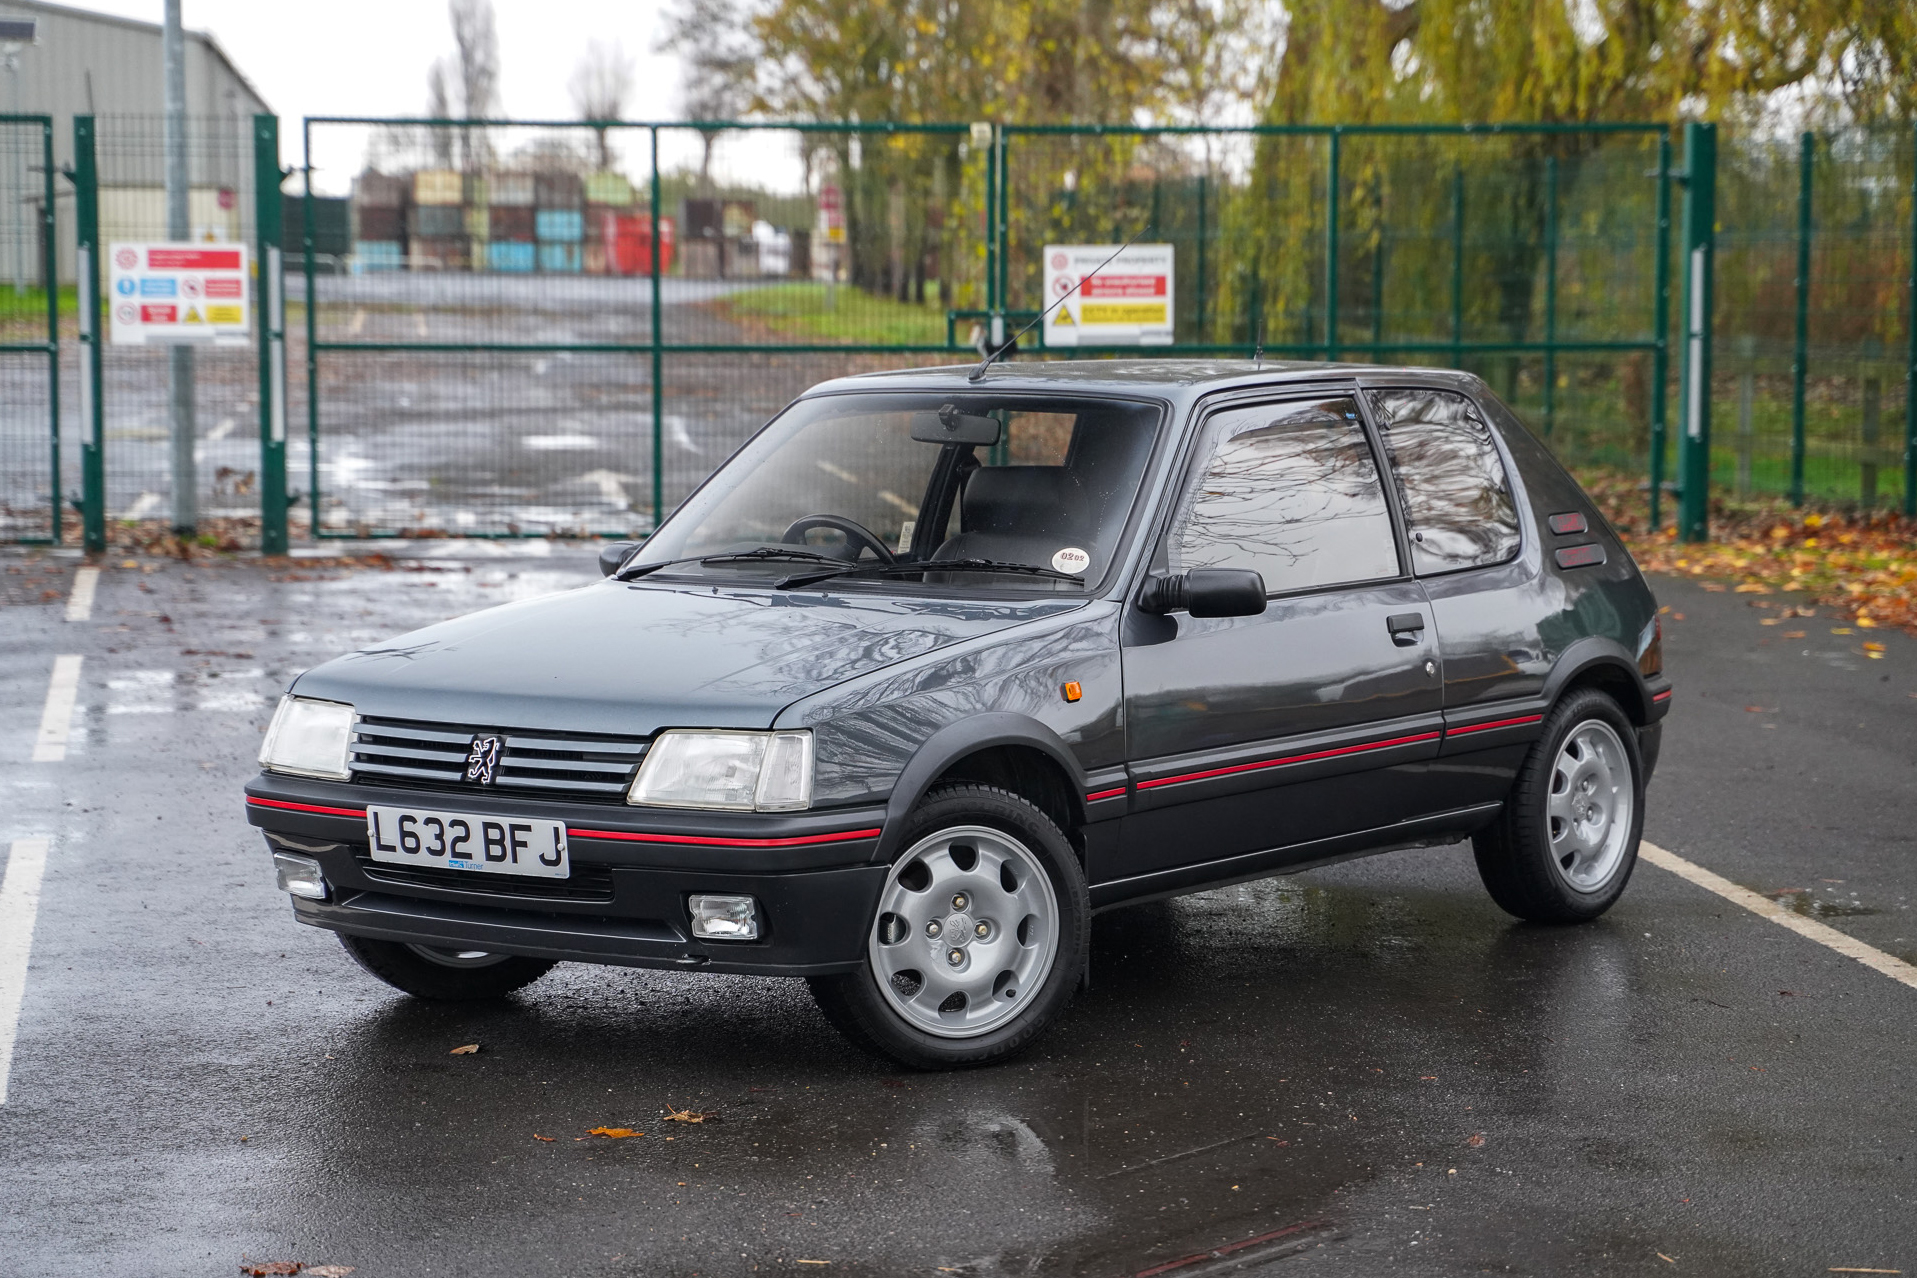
[(1700, 217), (1910, 358), (1661, 333), (86, 209), (1800, 342), (658, 360), (1550, 293), (270, 297), (1331, 245), (307, 214), (1457, 266), (50, 276)]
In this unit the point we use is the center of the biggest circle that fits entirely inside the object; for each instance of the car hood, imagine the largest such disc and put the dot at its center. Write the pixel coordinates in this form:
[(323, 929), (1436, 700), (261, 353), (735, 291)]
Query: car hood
[(634, 658)]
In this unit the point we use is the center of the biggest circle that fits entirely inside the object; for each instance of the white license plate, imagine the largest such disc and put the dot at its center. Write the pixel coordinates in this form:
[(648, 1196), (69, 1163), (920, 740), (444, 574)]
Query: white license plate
[(463, 841)]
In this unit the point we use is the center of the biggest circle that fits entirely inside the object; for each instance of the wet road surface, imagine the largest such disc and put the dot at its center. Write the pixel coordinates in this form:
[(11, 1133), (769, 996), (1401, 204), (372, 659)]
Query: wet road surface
[(1359, 1069)]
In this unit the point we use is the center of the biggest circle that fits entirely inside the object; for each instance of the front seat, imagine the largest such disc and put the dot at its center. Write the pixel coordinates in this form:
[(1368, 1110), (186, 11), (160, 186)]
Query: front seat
[(1019, 514)]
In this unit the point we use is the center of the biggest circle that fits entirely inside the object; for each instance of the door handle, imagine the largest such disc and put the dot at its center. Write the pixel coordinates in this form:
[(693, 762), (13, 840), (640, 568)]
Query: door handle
[(1407, 628)]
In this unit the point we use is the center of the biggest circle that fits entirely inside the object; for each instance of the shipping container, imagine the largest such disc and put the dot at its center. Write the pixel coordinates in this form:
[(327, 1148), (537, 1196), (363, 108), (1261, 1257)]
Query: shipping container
[(628, 243), (593, 257), (511, 188), (438, 186), (332, 225), (559, 258), (370, 256), (379, 222), (443, 254), (559, 225), (559, 191), (376, 190), (516, 256), (510, 222), (478, 222), (437, 221), (608, 188)]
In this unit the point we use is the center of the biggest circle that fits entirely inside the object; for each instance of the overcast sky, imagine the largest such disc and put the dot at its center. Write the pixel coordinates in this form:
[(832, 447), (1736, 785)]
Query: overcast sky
[(370, 57)]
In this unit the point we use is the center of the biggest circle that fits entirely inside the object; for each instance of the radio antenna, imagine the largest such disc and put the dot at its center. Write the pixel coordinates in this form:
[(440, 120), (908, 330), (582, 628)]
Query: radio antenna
[(992, 358)]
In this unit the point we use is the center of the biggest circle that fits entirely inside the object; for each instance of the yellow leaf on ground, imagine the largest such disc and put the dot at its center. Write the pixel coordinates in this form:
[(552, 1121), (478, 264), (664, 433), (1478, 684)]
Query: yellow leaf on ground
[(467, 1050), (616, 1133), (689, 1116), (1752, 588)]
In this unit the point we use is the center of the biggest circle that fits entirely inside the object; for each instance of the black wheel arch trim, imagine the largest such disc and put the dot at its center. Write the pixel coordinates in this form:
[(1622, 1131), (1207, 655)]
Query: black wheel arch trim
[(968, 736), (1595, 652)]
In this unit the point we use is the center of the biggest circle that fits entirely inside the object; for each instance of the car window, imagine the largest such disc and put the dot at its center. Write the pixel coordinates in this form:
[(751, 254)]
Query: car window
[(1457, 500), (1291, 491)]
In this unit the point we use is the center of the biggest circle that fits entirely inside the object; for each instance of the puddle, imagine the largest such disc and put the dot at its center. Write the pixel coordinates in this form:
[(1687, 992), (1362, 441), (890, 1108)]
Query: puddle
[(1811, 908)]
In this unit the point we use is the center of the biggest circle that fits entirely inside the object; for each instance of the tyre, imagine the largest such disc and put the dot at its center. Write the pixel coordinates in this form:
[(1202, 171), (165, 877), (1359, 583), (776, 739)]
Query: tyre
[(978, 941), (1565, 844), (426, 971)]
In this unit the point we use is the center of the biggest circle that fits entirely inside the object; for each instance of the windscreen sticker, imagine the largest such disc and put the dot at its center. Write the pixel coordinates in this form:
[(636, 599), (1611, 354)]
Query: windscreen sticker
[(1072, 560)]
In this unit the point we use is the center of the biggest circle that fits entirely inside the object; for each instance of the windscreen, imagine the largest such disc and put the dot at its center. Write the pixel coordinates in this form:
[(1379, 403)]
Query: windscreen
[(874, 481)]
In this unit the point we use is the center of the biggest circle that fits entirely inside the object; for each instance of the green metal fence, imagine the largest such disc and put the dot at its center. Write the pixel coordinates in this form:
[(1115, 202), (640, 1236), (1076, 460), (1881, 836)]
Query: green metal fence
[(512, 328), (29, 333)]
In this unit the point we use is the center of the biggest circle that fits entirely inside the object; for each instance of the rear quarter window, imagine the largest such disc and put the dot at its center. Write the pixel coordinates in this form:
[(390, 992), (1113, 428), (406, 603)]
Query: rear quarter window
[(1459, 511)]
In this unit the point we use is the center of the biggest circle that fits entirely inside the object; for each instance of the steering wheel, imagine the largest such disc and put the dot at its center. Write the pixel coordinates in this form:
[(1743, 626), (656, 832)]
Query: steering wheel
[(856, 535)]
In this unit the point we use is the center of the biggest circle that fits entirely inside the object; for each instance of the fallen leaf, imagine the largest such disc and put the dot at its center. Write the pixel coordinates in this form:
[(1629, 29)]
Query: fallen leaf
[(691, 1116), (547, 1139), (1793, 634), (1755, 709), (262, 1269), (614, 1133), (1750, 588), (467, 1050), (1476, 1141), (1715, 588), (1427, 1078), (1771, 621), (1842, 630), (1661, 1256)]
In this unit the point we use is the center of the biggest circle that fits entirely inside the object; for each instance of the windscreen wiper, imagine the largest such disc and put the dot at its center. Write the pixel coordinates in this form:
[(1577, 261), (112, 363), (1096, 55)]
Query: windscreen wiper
[(762, 554), (798, 579)]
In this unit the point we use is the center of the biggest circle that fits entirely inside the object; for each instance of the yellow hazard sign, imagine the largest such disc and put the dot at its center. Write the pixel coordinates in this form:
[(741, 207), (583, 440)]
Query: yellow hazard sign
[(193, 316), (1063, 319)]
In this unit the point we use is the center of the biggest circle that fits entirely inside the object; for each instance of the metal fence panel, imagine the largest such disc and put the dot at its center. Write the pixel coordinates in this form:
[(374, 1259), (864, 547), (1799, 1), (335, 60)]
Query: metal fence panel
[(29, 333)]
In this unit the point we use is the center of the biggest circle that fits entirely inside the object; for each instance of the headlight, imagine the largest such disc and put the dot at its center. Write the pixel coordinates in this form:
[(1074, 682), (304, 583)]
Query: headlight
[(309, 738), (739, 771)]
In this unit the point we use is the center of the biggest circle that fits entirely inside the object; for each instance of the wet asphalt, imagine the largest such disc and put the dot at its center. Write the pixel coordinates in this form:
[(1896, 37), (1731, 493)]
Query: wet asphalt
[(1358, 1070)]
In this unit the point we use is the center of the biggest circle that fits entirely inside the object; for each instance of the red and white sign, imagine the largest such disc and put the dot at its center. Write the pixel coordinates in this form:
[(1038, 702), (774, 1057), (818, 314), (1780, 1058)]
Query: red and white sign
[(179, 293), (1111, 296)]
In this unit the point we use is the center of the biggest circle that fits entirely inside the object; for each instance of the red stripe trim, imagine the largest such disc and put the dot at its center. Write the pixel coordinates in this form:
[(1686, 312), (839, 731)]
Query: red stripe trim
[(1664, 695), (1293, 758), (1495, 723), (1105, 794), (842, 836), (306, 807)]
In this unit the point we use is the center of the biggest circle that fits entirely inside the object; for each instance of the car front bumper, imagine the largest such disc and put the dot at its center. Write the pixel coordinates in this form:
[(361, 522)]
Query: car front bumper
[(633, 870)]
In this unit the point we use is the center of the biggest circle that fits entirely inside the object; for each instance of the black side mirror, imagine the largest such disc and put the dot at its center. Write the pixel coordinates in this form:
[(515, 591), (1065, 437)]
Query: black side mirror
[(1206, 592), (613, 555)]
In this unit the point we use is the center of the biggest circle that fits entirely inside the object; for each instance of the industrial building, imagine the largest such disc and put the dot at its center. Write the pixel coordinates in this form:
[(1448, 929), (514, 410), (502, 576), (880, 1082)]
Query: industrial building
[(74, 62)]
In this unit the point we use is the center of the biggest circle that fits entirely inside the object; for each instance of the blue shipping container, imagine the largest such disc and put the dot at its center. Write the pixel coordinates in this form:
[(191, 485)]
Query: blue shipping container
[(510, 255), (559, 257), (560, 224), (377, 255)]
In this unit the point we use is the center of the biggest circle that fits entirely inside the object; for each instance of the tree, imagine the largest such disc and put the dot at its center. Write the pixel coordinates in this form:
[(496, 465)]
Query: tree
[(600, 85), (718, 57), (476, 42)]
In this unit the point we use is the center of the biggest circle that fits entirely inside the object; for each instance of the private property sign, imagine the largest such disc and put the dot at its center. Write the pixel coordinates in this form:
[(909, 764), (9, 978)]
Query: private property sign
[(162, 293), (1122, 301)]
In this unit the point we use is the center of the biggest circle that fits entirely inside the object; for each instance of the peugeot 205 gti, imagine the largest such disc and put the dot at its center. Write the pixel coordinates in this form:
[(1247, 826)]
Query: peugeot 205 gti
[(941, 662)]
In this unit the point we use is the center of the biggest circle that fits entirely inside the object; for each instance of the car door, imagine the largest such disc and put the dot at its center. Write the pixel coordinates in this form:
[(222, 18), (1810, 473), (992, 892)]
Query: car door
[(1464, 534), (1283, 730)]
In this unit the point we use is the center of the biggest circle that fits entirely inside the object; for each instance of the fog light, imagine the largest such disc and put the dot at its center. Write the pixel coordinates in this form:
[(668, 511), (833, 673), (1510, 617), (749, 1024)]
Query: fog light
[(725, 918), (300, 875)]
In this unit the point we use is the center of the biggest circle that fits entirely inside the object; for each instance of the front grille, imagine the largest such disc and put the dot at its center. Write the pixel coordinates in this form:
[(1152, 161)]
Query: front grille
[(589, 882), (575, 765)]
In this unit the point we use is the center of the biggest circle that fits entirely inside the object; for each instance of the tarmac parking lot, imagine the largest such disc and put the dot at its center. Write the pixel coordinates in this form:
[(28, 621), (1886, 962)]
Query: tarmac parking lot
[(1360, 1069)]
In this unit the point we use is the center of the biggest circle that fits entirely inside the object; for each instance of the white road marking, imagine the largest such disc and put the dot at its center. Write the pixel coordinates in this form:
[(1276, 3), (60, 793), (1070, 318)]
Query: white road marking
[(419, 323), (359, 322), (19, 903), (142, 506), (676, 432), (224, 429), (1849, 946), (80, 602), (837, 472), (56, 721), (558, 443)]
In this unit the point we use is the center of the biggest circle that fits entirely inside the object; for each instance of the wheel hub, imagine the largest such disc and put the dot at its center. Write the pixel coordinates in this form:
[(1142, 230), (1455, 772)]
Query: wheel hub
[(1590, 806)]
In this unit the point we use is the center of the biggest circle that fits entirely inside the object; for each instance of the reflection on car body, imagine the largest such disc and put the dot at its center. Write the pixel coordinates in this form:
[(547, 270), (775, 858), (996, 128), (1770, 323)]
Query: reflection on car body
[(934, 668)]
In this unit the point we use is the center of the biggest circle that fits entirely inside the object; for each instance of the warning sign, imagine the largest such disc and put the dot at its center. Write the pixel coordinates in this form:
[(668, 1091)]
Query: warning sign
[(178, 293), (1122, 300)]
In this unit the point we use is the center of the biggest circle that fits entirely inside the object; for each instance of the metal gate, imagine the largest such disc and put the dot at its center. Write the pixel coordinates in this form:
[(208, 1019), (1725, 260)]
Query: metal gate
[(29, 334)]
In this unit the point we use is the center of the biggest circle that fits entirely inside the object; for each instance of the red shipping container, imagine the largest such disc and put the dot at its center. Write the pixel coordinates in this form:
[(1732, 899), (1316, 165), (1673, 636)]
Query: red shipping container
[(629, 244)]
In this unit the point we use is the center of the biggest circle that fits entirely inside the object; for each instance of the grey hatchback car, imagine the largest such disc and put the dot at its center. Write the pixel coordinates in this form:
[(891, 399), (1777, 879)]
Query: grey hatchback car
[(941, 662)]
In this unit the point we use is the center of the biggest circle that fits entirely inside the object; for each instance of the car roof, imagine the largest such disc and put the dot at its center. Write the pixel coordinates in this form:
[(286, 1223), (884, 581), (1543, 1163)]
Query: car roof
[(1180, 380)]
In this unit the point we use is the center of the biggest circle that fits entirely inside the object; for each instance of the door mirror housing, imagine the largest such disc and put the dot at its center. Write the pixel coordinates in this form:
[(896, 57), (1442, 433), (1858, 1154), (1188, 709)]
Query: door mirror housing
[(613, 554), (1205, 592)]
